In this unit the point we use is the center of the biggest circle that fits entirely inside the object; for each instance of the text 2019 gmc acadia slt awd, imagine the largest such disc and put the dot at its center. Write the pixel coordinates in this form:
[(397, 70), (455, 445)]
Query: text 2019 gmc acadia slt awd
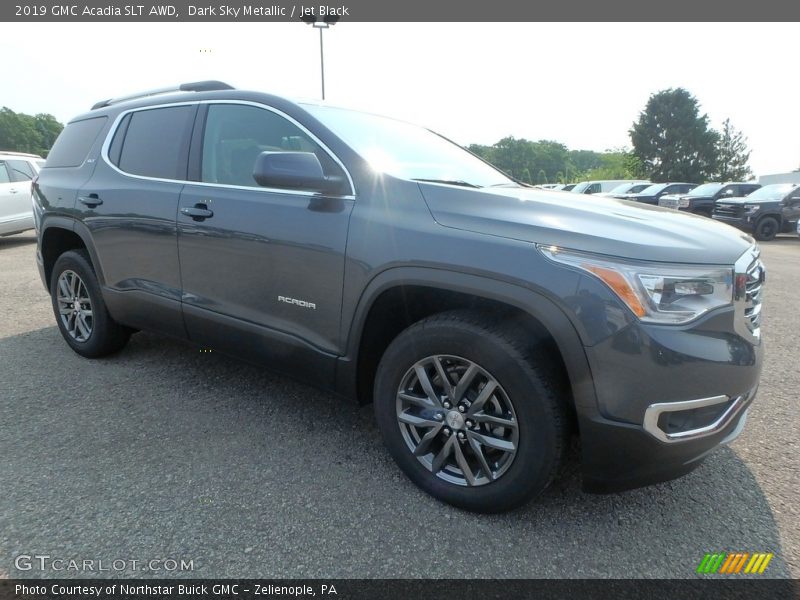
[(487, 321)]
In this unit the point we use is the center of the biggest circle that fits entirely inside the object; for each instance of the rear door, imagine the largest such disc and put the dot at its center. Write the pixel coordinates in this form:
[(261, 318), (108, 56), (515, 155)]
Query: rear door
[(262, 273), (129, 206), (8, 197), (22, 172)]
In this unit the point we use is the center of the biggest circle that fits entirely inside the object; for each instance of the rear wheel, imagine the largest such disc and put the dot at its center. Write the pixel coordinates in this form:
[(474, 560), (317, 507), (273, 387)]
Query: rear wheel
[(79, 308), (468, 414), (766, 229)]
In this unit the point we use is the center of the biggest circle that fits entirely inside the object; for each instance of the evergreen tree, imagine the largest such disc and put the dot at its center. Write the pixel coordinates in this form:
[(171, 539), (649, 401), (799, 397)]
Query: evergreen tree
[(672, 140)]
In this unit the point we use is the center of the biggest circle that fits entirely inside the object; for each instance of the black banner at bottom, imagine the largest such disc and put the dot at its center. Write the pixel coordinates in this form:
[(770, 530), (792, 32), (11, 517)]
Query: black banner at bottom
[(412, 589)]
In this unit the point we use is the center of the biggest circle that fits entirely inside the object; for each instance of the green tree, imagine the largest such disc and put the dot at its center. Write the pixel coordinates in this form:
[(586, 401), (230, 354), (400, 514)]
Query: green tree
[(485, 152), (585, 160), (525, 176), (673, 140), (25, 133), (541, 177), (732, 155)]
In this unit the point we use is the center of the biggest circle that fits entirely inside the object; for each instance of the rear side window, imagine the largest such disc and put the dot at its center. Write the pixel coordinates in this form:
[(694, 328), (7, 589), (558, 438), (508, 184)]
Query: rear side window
[(73, 144), (21, 170), (156, 142)]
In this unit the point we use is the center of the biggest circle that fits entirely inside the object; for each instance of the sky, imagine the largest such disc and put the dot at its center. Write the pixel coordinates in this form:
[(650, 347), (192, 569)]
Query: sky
[(582, 84)]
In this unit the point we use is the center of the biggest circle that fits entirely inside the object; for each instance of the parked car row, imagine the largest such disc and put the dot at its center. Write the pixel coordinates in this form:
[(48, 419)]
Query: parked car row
[(700, 200), (763, 211)]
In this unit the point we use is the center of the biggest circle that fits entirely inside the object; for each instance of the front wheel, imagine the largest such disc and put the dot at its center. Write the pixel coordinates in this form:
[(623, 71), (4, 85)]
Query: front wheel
[(766, 229), (79, 308), (468, 414)]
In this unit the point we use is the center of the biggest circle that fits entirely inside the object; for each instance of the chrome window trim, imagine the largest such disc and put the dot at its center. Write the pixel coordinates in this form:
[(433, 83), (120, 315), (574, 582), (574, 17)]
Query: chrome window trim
[(654, 411), (115, 125)]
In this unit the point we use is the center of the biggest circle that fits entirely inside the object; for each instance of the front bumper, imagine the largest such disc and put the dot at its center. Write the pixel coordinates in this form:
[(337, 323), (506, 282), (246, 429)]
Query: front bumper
[(743, 223), (644, 375)]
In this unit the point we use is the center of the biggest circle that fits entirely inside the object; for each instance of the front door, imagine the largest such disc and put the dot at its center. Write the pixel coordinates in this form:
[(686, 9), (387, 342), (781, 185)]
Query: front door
[(262, 269)]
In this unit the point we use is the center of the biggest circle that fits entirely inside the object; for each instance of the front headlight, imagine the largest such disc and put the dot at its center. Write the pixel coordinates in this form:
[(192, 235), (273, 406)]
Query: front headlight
[(683, 202), (655, 292), (751, 208)]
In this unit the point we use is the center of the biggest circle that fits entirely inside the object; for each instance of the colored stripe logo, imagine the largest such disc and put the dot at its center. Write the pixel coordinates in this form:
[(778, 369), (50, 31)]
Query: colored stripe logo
[(731, 563)]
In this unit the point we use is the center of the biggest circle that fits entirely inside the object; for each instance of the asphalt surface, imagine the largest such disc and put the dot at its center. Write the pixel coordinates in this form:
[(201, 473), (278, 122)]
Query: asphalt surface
[(163, 452)]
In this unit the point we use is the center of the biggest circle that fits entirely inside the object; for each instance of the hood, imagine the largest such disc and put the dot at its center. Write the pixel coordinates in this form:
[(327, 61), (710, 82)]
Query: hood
[(740, 200), (583, 222), (688, 196)]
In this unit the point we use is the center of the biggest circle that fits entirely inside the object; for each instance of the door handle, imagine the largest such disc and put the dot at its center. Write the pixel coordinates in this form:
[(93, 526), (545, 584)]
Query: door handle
[(198, 212), (91, 200), (13, 191)]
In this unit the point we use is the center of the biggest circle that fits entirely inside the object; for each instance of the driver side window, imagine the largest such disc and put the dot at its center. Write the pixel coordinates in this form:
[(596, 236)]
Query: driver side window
[(236, 134)]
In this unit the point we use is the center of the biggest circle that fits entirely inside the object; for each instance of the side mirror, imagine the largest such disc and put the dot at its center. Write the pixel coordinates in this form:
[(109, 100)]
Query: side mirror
[(293, 171)]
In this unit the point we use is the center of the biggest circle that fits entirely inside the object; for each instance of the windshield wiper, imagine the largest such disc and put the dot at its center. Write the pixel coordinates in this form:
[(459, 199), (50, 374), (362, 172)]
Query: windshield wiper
[(450, 182)]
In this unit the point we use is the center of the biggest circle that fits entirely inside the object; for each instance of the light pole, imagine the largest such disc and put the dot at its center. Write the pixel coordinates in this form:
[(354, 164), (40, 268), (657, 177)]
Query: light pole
[(325, 23)]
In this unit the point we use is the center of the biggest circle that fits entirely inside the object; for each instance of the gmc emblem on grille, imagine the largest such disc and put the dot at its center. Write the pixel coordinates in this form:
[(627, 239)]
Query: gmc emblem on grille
[(297, 302)]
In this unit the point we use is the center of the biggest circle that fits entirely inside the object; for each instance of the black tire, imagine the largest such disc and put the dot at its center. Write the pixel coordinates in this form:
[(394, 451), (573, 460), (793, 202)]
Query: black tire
[(527, 381), (766, 229), (106, 335)]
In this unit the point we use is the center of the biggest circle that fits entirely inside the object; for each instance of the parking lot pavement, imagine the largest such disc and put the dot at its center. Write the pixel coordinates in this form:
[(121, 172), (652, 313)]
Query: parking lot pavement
[(165, 452)]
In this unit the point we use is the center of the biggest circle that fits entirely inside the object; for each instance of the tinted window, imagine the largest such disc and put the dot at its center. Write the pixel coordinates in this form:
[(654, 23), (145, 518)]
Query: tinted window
[(21, 170), (74, 143), (155, 144), (236, 134), (4, 177)]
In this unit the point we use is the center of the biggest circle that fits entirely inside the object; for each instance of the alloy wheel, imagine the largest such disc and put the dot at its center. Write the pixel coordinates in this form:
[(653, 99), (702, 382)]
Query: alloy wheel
[(74, 306), (457, 420)]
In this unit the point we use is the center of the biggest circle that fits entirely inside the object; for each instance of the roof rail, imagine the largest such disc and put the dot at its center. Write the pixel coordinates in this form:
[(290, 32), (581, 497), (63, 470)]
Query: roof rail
[(196, 86), (12, 152)]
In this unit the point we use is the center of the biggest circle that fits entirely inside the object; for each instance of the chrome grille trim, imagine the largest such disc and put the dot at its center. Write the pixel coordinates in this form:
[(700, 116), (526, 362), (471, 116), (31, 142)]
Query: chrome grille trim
[(749, 277)]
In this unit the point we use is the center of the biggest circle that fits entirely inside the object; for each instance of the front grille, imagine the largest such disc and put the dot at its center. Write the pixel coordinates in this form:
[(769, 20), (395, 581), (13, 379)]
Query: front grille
[(748, 294), (754, 289), (668, 202), (735, 211)]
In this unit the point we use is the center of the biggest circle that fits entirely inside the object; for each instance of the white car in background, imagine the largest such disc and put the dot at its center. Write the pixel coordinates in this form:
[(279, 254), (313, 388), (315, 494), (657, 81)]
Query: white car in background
[(16, 172)]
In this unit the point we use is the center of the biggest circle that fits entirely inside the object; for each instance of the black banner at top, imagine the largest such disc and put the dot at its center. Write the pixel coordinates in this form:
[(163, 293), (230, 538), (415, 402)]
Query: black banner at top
[(397, 11)]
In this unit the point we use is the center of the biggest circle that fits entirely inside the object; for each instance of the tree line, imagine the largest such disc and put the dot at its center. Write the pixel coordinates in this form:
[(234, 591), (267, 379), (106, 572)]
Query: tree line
[(34, 134), (671, 141)]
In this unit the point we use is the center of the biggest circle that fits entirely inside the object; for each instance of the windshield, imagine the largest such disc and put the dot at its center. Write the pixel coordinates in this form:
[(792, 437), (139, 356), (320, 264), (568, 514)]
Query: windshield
[(707, 189), (776, 191), (629, 188), (407, 151), (652, 190), (578, 189)]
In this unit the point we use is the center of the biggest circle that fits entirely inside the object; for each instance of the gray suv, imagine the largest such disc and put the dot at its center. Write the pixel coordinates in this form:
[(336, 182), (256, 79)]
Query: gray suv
[(488, 322)]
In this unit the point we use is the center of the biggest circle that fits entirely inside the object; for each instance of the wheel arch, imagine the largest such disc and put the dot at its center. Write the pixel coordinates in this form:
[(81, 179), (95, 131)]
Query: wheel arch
[(60, 234), (400, 296)]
